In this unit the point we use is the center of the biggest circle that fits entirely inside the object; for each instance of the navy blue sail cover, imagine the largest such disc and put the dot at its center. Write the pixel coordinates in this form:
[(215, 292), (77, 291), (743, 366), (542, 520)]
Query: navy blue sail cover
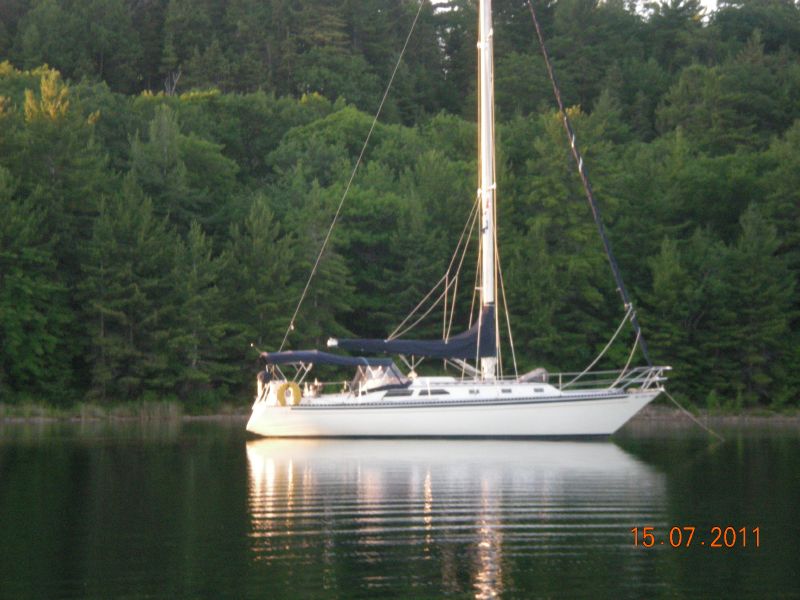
[(478, 341), (323, 358)]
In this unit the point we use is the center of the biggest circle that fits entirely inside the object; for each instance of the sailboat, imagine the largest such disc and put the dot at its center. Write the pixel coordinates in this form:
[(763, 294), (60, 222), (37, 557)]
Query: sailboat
[(382, 401)]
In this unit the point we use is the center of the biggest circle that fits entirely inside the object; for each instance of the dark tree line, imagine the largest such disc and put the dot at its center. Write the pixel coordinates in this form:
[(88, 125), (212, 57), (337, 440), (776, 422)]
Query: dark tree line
[(167, 180)]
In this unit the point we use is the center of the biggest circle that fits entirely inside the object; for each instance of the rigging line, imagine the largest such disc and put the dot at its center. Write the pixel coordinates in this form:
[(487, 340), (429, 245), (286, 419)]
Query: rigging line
[(447, 324), (603, 351), (478, 282), (478, 345), (350, 181), (456, 278), (467, 226), (587, 186), (464, 251), (450, 284), (505, 309), (476, 285), (630, 358), (414, 310), (498, 346), (692, 417), (497, 284), (425, 314), (396, 333), (444, 309)]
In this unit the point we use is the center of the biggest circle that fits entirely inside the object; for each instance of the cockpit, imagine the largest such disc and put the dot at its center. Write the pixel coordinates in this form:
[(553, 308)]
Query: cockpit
[(380, 377)]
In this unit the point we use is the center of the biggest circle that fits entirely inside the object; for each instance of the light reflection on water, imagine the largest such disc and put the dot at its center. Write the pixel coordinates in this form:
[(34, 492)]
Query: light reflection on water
[(193, 510), (470, 504)]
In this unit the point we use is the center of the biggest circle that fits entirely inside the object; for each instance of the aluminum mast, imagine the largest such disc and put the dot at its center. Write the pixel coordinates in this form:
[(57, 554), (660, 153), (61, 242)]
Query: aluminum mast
[(487, 180)]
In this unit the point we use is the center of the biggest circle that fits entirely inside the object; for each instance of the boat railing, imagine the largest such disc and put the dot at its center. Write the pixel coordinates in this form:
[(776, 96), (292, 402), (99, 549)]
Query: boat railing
[(644, 377)]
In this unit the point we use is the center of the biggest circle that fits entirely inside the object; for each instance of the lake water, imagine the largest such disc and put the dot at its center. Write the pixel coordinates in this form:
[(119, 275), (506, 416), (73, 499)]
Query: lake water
[(196, 510)]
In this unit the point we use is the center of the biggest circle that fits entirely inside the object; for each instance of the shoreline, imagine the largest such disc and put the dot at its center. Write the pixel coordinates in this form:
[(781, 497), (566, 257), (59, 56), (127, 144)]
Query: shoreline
[(652, 414), (238, 417), (166, 411)]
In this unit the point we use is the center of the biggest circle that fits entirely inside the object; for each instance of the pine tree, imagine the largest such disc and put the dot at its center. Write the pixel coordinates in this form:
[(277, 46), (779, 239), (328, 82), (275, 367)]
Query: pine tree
[(208, 69), (5, 39), (46, 35), (113, 47), (673, 27), (127, 289), (252, 40), (157, 166), (198, 326), (330, 294), (187, 25), (147, 18), (259, 270), (549, 202), (782, 181), (59, 165), (34, 311), (756, 342), (677, 309), (187, 176)]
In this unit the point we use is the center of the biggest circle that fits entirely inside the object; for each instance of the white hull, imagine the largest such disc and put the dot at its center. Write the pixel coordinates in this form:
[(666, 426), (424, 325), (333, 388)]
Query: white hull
[(566, 414), (383, 403)]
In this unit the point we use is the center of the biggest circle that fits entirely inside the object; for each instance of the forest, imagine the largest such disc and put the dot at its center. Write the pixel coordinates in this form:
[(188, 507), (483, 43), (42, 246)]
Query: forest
[(169, 170)]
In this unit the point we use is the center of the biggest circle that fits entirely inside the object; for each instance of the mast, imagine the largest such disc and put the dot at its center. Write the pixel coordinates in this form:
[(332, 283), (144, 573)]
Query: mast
[(487, 168)]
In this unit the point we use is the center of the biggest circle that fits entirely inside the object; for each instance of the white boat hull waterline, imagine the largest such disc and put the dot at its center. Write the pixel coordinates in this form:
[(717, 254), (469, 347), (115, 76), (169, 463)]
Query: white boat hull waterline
[(522, 412)]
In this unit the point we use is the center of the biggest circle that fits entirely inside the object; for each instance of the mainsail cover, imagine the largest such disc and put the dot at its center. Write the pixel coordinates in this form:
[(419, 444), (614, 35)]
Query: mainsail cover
[(477, 342), (322, 358)]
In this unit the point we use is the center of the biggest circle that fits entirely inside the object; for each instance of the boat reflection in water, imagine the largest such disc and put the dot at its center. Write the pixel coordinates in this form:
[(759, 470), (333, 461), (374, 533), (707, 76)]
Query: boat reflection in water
[(447, 516)]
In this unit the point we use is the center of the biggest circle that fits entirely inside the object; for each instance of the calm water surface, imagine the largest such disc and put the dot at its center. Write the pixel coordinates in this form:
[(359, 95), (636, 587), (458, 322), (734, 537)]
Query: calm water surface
[(197, 510)]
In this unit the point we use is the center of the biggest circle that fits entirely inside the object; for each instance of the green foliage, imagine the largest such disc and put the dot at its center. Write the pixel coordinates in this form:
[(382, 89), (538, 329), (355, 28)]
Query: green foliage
[(723, 313), (51, 150), (127, 294), (196, 332), (737, 104), (759, 294), (258, 282), (580, 60), (782, 180), (556, 242), (675, 31), (34, 314), (188, 177), (166, 186), (329, 295), (107, 45)]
